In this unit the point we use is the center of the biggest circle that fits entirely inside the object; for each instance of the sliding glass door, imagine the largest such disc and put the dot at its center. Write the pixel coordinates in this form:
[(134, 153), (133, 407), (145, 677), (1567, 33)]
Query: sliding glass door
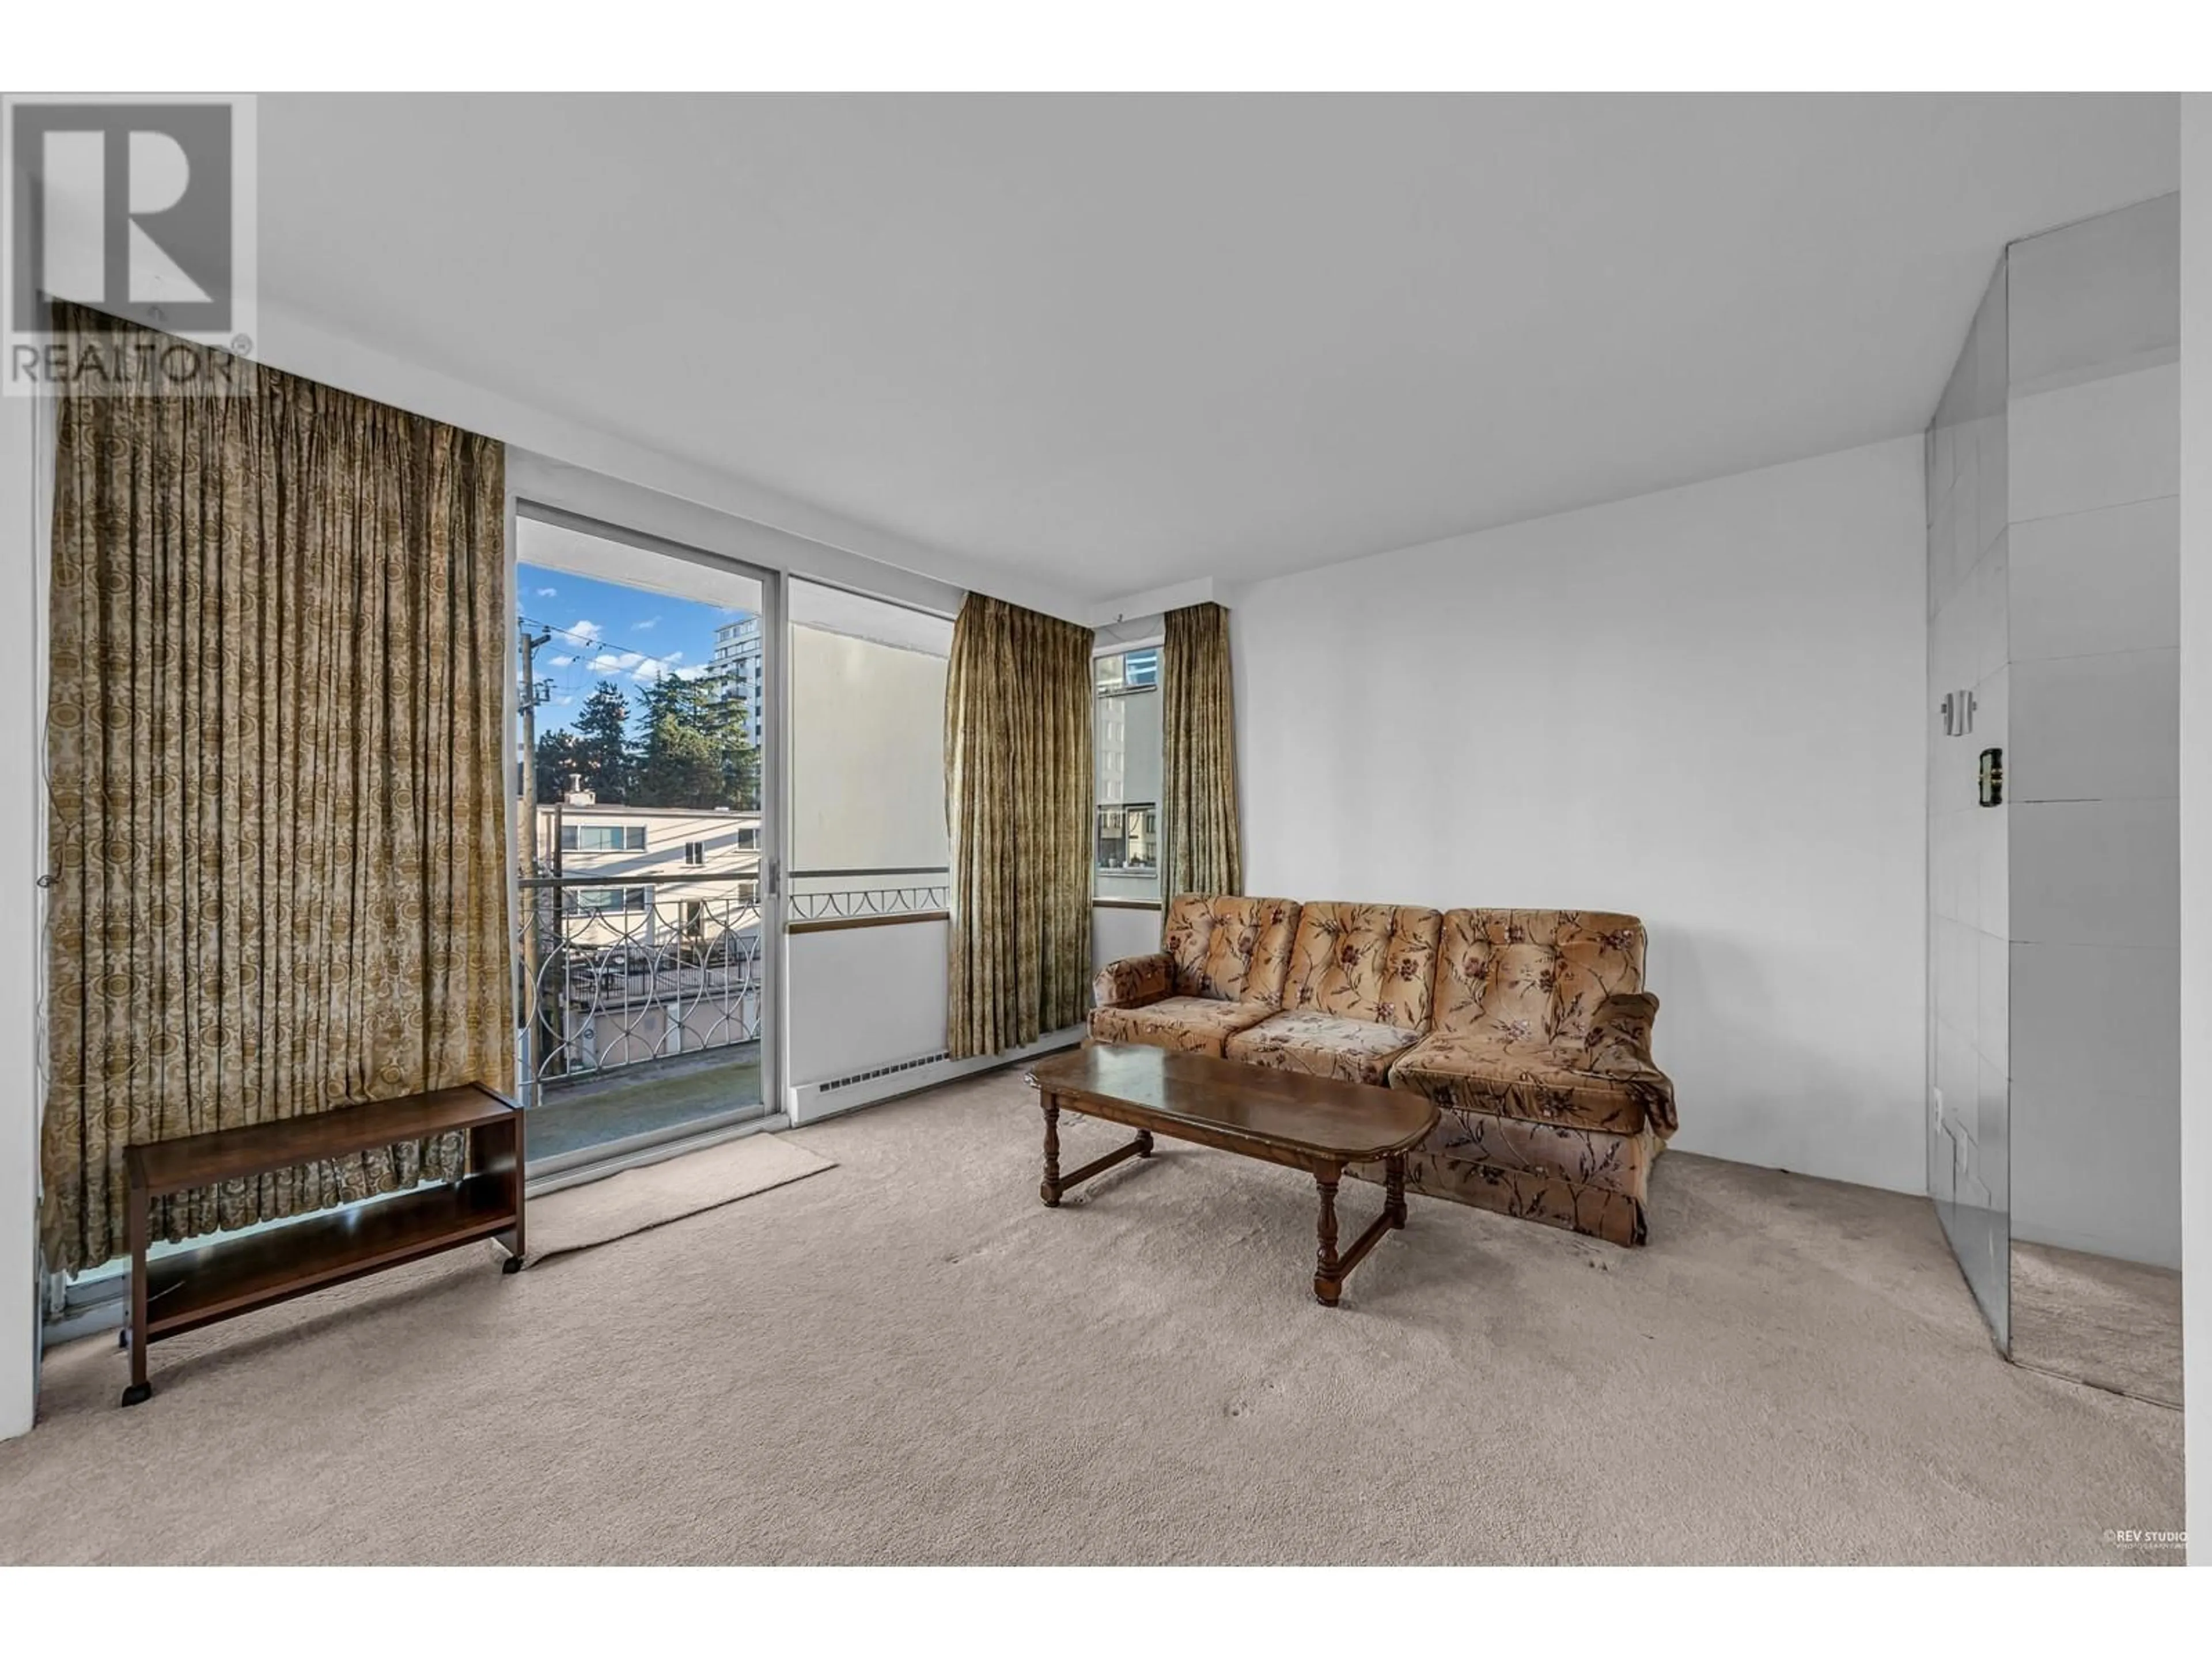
[(645, 839)]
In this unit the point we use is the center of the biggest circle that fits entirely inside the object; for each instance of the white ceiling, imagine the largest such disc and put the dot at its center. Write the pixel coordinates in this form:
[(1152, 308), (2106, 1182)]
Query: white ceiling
[(1117, 342)]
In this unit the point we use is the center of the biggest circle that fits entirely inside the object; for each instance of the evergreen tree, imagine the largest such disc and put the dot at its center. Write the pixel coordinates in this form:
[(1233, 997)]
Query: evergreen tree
[(740, 758), (741, 765), (602, 743), (694, 751), (560, 758)]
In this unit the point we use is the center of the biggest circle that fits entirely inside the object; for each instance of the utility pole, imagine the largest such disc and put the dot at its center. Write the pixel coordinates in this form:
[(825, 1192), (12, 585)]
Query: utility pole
[(531, 692)]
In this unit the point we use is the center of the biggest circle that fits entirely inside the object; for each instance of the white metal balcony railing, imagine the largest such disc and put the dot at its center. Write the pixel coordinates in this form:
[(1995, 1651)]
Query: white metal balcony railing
[(620, 969), (851, 901)]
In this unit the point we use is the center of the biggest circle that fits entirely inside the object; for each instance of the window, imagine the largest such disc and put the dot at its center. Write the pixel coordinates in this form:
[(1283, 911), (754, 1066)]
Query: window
[(599, 901), (1128, 838), (1128, 671), (748, 837), (694, 851), (1127, 725), (602, 837)]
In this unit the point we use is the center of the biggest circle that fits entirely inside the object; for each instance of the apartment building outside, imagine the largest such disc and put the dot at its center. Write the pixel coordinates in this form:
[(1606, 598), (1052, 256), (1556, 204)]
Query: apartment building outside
[(630, 872), (738, 653), (647, 923)]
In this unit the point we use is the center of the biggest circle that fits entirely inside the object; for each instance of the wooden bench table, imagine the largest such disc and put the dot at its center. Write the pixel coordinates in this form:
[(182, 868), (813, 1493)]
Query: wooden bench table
[(1316, 1124), (192, 1288)]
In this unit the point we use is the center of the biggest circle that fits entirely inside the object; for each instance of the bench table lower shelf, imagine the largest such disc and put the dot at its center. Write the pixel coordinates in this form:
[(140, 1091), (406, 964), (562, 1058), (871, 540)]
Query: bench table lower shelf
[(195, 1288)]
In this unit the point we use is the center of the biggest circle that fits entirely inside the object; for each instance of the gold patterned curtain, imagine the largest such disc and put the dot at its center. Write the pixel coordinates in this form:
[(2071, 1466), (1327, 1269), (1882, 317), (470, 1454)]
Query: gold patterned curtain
[(1018, 787), (1198, 756), (274, 746)]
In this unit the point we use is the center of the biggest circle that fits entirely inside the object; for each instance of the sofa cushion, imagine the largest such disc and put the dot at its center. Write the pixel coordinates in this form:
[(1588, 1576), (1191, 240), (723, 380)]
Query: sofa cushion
[(1236, 949), (1533, 975), (1365, 962), (1355, 1050), (1197, 1026), (1510, 1074)]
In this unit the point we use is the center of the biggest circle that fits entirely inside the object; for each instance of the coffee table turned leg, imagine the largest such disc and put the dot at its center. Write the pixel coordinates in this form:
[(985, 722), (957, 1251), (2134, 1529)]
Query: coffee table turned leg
[(1056, 1186), (1050, 1189), (1328, 1278), (1395, 1189)]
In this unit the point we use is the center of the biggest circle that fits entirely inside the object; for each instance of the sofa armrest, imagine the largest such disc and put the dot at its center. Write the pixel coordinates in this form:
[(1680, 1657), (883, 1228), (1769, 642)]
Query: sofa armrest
[(1133, 982), (1618, 1045)]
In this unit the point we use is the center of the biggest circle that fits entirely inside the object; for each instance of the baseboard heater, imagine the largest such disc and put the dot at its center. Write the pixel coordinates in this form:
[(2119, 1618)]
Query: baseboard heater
[(809, 1103)]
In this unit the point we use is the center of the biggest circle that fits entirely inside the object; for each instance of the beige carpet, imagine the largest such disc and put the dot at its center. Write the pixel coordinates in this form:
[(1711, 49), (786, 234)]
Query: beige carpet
[(655, 1194), (915, 1361), (2116, 1324)]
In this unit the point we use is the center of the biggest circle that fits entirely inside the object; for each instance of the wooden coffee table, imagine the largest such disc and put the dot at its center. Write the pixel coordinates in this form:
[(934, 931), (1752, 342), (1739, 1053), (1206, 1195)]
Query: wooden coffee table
[(1316, 1124)]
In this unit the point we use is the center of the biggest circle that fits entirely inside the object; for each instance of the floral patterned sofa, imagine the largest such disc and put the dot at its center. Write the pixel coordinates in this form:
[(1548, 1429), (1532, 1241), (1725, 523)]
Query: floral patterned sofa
[(1531, 1029)]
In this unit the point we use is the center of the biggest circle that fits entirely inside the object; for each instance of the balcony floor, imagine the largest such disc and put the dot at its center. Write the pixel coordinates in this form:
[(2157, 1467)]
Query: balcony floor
[(643, 1099)]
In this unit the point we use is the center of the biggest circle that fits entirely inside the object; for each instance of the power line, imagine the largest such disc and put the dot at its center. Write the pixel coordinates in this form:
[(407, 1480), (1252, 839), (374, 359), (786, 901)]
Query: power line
[(668, 663), (649, 669)]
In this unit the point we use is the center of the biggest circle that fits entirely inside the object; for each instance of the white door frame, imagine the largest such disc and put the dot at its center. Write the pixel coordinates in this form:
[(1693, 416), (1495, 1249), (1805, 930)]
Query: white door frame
[(607, 508)]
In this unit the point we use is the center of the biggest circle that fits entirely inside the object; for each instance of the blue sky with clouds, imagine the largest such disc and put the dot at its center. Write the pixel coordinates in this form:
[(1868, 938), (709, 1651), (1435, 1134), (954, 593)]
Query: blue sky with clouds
[(605, 631)]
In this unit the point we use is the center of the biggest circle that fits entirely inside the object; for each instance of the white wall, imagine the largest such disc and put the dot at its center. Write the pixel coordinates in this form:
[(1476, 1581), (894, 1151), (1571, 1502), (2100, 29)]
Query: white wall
[(1701, 706), (21, 502), (867, 754), (1116, 932), (861, 997), (2196, 634)]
